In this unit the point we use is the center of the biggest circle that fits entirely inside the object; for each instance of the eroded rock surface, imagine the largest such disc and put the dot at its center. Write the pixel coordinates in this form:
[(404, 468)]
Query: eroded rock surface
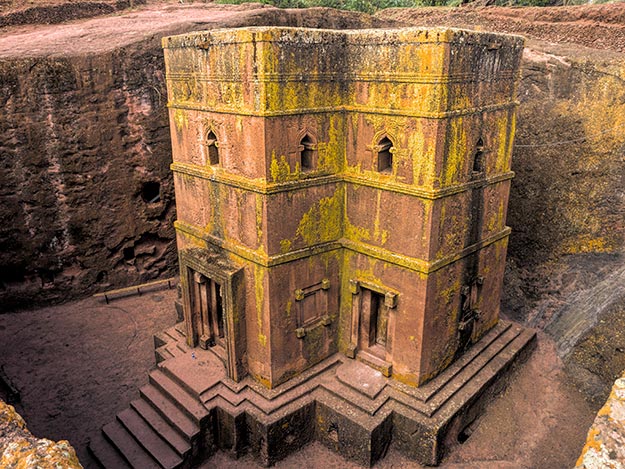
[(605, 444), (20, 449), (567, 203)]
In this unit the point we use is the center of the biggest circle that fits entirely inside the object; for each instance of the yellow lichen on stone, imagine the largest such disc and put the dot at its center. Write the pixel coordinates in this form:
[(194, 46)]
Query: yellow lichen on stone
[(279, 168), (323, 222), (19, 449), (456, 152), (285, 246), (259, 291), (180, 119)]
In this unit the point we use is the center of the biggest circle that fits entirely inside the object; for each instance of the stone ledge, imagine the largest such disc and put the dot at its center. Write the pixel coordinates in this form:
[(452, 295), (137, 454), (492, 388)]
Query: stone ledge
[(323, 404)]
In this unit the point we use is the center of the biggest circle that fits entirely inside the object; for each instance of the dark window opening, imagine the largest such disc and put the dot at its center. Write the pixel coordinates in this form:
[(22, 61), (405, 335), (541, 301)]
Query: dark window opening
[(478, 158), (213, 148), (385, 157), (129, 253), (379, 320), (151, 192), (306, 154)]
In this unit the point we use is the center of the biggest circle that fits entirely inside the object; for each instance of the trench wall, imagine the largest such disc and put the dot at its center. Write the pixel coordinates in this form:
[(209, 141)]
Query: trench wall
[(86, 193)]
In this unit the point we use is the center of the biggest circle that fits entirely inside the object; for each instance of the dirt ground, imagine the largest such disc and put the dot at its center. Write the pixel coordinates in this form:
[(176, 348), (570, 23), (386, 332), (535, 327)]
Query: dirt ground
[(596, 26), (77, 364)]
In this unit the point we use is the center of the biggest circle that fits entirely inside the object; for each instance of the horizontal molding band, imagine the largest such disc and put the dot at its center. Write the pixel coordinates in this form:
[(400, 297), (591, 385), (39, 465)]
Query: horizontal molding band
[(410, 263), (338, 109), (433, 194), (260, 186), (342, 79), (351, 40)]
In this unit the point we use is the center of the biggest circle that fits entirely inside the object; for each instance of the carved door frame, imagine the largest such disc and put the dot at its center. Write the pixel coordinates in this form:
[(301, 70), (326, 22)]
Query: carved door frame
[(232, 295)]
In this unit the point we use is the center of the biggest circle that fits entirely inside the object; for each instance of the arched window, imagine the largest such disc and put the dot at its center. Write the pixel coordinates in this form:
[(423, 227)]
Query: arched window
[(478, 157), (385, 156), (306, 153), (213, 148)]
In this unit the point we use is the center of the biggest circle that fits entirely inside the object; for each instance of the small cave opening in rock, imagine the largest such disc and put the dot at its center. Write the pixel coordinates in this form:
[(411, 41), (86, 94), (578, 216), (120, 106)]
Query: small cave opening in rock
[(151, 192), (129, 253), (333, 432)]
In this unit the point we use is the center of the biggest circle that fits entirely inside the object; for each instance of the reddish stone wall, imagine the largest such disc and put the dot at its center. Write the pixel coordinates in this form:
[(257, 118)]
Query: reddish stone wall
[(86, 200)]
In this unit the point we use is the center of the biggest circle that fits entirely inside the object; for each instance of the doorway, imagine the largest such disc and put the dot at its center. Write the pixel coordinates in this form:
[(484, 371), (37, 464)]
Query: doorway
[(207, 313), (374, 324), (213, 297)]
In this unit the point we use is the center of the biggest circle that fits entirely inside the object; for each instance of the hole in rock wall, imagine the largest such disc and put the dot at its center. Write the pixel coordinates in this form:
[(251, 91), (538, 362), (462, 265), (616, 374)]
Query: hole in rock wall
[(129, 253), (151, 192), (333, 432)]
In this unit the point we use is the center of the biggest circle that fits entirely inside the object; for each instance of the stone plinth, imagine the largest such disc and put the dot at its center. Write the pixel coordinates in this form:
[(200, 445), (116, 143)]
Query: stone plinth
[(345, 404)]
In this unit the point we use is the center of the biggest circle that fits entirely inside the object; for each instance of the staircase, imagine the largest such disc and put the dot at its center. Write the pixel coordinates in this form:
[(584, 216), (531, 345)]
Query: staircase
[(160, 429)]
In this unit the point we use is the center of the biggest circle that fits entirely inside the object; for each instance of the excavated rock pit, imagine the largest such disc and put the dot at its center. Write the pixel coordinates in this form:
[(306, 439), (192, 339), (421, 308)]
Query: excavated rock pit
[(86, 203)]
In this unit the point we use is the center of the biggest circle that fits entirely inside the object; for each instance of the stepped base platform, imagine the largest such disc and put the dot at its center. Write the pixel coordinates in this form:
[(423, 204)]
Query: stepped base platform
[(343, 403)]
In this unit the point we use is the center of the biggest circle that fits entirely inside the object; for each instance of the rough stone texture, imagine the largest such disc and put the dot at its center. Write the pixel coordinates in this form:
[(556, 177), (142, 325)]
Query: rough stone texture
[(325, 247), (539, 421), (342, 403), (605, 444), (19, 12), (84, 139), (20, 449), (565, 263)]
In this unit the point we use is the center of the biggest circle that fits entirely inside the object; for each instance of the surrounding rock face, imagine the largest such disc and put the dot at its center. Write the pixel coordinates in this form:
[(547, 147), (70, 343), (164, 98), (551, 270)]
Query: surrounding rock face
[(19, 448), (86, 197), (605, 444), (61, 233), (86, 194)]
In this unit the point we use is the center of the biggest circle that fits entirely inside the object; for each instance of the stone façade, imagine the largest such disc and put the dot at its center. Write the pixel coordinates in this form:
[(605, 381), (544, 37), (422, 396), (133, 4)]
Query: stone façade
[(341, 201), (354, 183)]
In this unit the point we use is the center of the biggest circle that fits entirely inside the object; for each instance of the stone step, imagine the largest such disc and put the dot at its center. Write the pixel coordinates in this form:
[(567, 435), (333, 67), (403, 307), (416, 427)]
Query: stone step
[(162, 353), (175, 349), (129, 448), (181, 330), (472, 369), (178, 395), (149, 440), (105, 454), (160, 339), (162, 427), (174, 334), (185, 426)]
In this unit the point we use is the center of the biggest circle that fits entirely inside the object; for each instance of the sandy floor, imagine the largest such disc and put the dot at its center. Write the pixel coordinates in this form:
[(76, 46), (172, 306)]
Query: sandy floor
[(78, 364)]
